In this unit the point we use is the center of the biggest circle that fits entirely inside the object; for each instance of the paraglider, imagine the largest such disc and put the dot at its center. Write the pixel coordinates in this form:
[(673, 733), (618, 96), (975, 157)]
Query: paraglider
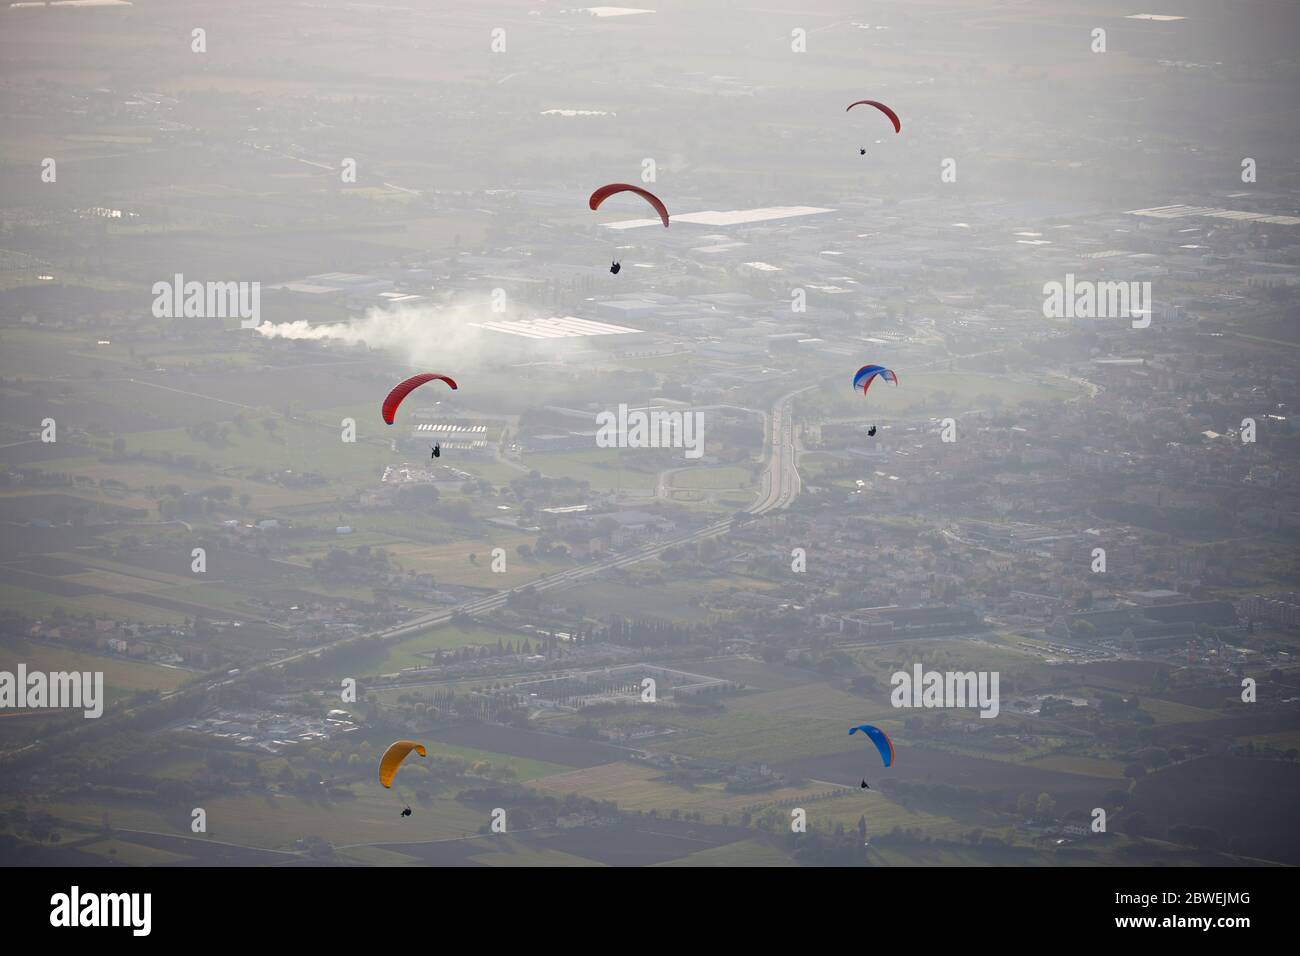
[(882, 742), (893, 117), (392, 759), (405, 388), (863, 378), (604, 192)]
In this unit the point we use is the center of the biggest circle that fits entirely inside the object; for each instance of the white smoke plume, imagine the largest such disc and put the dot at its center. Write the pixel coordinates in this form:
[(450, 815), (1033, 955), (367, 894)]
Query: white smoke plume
[(418, 334)]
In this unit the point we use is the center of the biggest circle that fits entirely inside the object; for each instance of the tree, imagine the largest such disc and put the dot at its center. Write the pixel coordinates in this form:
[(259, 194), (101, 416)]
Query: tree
[(1045, 808), (1082, 629), (1156, 757), (1024, 806)]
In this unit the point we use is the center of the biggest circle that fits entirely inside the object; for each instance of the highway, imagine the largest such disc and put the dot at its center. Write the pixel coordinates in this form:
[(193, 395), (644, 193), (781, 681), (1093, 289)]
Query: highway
[(781, 481)]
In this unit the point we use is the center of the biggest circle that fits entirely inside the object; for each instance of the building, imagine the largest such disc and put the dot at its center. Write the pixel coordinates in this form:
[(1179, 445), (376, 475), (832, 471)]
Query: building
[(631, 527)]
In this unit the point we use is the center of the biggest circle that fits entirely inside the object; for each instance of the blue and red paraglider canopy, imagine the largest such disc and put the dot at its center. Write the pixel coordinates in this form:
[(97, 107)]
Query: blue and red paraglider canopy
[(864, 376), (879, 738)]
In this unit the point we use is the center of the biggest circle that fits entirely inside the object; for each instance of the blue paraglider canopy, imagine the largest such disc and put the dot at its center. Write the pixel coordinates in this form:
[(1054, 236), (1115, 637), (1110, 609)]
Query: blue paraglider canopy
[(879, 738)]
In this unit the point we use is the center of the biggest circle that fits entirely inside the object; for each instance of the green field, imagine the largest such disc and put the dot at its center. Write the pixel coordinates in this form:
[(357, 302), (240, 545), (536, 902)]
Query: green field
[(776, 725), (523, 768), (513, 852), (637, 787), (1169, 712), (882, 815), (602, 468), (450, 563), (742, 853), (132, 854), (122, 676), (711, 479), (293, 446), (277, 821), (374, 660)]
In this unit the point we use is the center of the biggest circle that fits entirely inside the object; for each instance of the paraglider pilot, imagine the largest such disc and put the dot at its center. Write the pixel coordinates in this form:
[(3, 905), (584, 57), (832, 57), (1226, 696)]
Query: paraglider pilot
[(615, 267), (862, 150), (436, 450), (406, 812), (871, 432)]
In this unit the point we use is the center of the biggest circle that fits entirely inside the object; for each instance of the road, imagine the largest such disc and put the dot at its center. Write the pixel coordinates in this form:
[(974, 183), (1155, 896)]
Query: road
[(782, 483)]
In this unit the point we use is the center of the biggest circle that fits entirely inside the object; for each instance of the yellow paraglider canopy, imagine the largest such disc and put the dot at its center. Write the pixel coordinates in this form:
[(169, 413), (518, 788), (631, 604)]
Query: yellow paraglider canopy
[(393, 757)]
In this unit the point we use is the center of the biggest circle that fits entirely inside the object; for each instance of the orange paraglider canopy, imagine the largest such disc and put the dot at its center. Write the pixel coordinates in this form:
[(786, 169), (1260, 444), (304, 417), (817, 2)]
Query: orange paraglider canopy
[(393, 757)]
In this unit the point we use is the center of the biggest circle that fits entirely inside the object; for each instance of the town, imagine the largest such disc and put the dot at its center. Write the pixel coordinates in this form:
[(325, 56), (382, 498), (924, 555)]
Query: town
[(652, 554)]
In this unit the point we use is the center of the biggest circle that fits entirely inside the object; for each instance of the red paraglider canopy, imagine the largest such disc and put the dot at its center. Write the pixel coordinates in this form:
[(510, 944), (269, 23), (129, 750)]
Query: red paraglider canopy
[(604, 192), (893, 117), (405, 388)]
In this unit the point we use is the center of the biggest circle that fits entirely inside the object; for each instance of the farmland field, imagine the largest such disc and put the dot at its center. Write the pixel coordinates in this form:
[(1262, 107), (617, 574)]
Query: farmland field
[(122, 676)]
